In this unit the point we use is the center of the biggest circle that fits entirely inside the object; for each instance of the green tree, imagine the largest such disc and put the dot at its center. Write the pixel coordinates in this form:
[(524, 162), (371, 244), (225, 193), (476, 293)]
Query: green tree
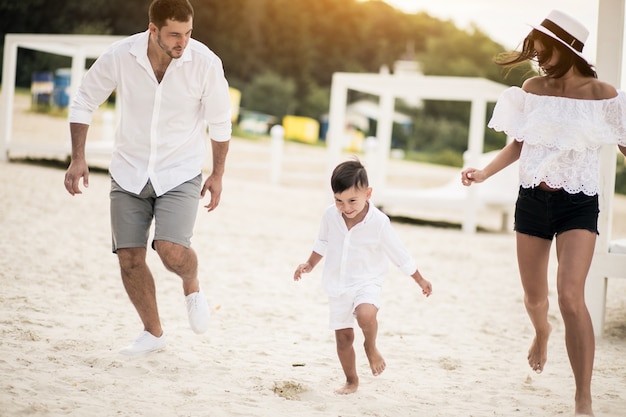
[(270, 93), (282, 54)]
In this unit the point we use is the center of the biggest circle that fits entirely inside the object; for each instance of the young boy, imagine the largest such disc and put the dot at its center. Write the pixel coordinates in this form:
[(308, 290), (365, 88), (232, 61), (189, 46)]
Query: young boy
[(358, 241)]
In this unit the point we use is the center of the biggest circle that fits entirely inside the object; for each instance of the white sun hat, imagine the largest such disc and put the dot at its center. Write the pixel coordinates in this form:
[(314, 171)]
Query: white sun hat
[(565, 29)]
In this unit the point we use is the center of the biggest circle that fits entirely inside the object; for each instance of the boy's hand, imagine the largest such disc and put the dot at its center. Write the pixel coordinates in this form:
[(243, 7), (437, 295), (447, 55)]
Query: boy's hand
[(302, 269), (426, 286)]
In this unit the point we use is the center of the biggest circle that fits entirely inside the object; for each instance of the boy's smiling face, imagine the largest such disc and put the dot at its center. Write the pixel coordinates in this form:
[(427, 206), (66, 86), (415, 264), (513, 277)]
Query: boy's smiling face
[(353, 201)]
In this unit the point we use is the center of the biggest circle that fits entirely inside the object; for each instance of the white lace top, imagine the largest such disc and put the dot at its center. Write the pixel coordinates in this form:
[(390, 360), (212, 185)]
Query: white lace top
[(562, 136)]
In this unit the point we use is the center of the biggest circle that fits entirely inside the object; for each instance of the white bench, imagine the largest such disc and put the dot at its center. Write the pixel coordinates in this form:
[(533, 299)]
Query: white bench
[(605, 265), (497, 194)]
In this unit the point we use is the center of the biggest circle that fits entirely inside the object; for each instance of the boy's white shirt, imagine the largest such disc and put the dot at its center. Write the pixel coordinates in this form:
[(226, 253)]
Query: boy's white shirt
[(359, 256)]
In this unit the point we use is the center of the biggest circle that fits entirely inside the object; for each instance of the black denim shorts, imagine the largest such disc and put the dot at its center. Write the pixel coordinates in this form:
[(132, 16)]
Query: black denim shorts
[(545, 214)]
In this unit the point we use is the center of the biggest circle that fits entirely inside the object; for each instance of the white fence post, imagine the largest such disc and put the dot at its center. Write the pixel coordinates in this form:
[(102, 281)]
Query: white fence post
[(277, 133)]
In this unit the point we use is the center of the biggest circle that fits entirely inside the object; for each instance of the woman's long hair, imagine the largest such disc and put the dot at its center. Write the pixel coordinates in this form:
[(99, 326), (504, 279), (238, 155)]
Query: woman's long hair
[(567, 58)]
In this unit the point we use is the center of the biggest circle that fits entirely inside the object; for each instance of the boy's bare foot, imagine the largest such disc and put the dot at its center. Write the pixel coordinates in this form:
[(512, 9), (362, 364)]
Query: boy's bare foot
[(538, 352), (377, 362), (349, 388)]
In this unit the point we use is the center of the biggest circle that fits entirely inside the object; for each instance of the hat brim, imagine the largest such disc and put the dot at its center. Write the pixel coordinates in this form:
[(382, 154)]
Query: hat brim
[(553, 36)]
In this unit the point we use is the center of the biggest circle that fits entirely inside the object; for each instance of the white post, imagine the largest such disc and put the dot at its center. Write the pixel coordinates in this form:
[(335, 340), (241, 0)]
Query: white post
[(609, 65), (336, 120), (383, 133), (474, 151), (277, 134), (8, 95), (371, 164)]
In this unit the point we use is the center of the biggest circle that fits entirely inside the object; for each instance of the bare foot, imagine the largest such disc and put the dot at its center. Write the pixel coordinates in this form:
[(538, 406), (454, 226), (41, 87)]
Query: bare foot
[(377, 362), (538, 352), (583, 408), (349, 388)]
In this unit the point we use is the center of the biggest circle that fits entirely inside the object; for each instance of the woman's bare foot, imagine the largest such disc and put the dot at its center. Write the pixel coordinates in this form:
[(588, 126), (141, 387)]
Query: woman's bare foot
[(583, 407), (349, 388), (377, 362), (538, 352)]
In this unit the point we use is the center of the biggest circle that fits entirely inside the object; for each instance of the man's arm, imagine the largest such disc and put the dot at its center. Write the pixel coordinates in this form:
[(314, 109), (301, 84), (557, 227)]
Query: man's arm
[(78, 165), (214, 183)]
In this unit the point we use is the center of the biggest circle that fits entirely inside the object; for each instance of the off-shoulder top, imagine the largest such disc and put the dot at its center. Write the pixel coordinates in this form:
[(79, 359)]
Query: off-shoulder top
[(562, 136)]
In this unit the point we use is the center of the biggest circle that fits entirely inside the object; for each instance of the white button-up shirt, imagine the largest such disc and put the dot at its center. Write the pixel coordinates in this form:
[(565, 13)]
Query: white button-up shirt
[(162, 134), (361, 255)]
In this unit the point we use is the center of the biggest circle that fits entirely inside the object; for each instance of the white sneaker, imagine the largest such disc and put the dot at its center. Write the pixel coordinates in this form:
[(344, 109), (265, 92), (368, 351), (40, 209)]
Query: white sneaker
[(145, 343), (198, 312)]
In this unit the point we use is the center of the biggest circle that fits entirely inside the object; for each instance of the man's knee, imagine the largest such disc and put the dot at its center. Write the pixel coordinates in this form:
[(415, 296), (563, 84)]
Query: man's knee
[(130, 258), (173, 255), (168, 250)]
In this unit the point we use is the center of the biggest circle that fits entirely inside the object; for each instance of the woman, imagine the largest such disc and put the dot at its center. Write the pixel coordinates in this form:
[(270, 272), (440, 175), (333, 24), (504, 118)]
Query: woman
[(559, 120)]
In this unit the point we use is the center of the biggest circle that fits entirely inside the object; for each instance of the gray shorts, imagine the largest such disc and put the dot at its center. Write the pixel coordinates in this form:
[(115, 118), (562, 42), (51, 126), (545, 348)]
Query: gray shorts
[(174, 214)]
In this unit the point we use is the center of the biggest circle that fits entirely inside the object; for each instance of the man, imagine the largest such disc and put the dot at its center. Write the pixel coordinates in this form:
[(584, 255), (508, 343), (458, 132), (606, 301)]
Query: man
[(170, 87)]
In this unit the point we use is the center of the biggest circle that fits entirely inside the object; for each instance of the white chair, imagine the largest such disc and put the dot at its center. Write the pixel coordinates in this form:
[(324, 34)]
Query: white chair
[(605, 265), (498, 194)]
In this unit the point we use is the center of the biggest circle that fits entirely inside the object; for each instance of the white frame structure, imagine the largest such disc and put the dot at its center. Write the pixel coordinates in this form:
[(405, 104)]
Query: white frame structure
[(388, 87), (606, 264), (78, 47)]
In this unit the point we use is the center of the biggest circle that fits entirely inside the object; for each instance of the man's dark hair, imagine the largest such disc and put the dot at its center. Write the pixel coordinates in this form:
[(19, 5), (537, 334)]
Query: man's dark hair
[(348, 174), (161, 10)]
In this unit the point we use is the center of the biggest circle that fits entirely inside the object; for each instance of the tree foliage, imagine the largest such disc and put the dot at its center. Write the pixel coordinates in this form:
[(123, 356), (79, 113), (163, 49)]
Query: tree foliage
[(293, 47)]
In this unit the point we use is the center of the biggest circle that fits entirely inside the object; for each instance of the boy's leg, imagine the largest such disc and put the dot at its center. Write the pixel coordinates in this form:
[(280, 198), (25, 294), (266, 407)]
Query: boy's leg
[(366, 317), (345, 351)]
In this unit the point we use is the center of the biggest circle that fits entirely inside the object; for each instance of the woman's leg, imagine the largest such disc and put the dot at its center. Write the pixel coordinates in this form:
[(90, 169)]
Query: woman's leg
[(533, 254), (575, 251)]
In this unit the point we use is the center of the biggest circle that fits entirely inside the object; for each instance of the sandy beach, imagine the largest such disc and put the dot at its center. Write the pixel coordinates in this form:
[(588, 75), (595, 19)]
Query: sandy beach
[(268, 353)]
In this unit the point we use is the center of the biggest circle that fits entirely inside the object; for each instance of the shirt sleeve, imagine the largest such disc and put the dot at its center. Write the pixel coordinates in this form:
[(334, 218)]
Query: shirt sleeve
[(615, 118), (96, 87), (320, 245), (216, 101), (396, 251), (508, 114)]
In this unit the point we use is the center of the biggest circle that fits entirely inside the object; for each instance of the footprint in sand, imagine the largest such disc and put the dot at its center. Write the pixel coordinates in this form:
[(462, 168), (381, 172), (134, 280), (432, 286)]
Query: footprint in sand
[(288, 389)]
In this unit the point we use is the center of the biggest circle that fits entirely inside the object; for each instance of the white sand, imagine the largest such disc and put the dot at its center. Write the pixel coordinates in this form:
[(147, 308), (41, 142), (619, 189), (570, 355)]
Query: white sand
[(268, 353)]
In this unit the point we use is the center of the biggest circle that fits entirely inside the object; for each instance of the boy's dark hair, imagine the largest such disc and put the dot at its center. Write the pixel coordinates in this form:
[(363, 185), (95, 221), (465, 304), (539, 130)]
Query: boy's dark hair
[(161, 10), (348, 174)]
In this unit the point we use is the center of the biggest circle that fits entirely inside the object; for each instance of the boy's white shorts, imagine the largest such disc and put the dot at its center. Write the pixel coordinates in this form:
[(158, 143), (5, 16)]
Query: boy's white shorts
[(343, 308)]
